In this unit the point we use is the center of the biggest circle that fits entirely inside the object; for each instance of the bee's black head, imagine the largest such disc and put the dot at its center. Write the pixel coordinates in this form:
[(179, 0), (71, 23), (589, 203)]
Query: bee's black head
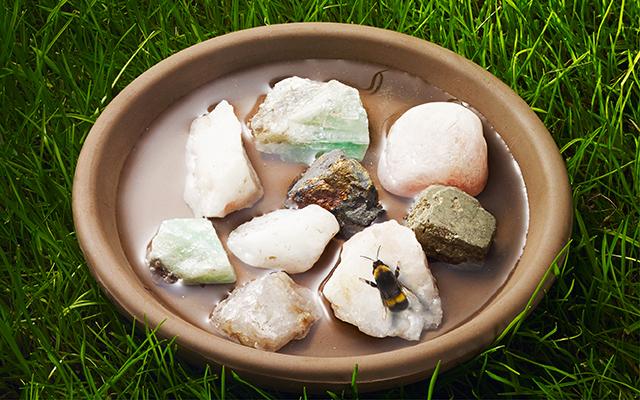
[(377, 263)]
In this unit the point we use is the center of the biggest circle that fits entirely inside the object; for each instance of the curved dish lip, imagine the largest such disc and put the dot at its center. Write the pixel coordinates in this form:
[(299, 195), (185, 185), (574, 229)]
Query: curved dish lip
[(401, 364)]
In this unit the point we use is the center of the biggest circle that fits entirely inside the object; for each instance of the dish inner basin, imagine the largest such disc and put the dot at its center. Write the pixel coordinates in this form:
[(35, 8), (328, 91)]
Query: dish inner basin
[(152, 183)]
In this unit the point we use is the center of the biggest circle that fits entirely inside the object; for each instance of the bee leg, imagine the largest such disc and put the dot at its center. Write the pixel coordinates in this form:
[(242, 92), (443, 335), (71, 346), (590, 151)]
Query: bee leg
[(372, 284), (397, 272)]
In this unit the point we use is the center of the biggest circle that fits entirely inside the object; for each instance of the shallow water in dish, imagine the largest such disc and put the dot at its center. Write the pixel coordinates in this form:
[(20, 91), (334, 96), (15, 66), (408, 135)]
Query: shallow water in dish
[(152, 184)]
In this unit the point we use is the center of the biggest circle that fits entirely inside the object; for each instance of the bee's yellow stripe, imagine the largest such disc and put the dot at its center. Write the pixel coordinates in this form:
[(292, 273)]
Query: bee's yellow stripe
[(398, 299)]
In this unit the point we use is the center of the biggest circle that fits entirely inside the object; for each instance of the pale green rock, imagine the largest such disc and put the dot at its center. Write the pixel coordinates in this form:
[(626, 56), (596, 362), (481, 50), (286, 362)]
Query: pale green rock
[(301, 119), (189, 249)]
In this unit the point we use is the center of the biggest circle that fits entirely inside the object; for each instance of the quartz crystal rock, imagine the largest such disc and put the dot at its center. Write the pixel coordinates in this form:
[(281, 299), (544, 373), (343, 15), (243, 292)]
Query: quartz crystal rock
[(220, 178), (357, 303), (267, 313), (451, 225), (340, 185), (290, 240), (301, 118), (434, 143), (189, 249)]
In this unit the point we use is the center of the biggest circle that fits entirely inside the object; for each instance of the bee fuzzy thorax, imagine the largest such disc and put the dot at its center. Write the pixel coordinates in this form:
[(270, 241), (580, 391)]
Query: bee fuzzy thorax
[(380, 270)]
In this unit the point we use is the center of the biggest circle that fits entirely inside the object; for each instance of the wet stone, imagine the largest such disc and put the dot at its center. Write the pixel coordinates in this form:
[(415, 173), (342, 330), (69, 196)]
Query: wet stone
[(438, 143), (341, 185), (289, 240), (451, 225), (356, 302), (301, 118), (189, 249), (267, 313), (220, 178)]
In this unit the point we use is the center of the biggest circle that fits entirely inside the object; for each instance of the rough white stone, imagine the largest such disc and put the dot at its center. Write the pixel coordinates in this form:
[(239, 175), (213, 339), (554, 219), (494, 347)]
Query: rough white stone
[(220, 178), (434, 143), (189, 249), (290, 240), (301, 118), (267, 313), (357, 303)]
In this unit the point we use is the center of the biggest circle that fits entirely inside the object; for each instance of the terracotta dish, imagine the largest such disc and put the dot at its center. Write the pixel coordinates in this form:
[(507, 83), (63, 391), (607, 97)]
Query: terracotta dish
[(127, 125)]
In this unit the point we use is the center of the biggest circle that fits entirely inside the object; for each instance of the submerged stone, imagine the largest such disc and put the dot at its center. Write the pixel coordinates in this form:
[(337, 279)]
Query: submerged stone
[(341, 185), (451, 225), (290, 240), (301, 118), (356, 302), (189, 249), (266, 313)]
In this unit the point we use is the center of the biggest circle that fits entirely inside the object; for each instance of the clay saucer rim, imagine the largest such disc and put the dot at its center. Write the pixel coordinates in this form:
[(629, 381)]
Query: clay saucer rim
[(95, 227)]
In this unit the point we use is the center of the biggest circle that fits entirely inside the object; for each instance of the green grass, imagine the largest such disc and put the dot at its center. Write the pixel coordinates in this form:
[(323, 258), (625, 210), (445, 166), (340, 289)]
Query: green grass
[(577, 63)]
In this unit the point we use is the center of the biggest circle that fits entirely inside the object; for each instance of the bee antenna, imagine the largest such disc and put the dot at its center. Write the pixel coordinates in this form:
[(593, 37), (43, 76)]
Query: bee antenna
[(378, 252), (368, 258)]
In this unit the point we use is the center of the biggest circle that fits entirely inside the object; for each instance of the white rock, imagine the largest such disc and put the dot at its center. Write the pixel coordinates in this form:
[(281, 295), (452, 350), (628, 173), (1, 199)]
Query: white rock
[(301, 118), (290, 240), (357, 303), (434, 143), (267, 313), (220, 178), (189, 249)]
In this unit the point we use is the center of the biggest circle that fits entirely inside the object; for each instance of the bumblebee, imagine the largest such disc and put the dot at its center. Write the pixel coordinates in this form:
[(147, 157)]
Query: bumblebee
[(386, 281)]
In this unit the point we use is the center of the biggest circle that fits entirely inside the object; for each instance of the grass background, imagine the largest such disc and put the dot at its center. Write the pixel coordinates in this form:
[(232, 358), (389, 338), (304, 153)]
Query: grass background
[(576, 63)]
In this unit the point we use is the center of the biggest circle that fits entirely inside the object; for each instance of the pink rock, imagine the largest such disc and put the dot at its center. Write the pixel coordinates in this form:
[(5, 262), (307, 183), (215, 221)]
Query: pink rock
[(434, 143)]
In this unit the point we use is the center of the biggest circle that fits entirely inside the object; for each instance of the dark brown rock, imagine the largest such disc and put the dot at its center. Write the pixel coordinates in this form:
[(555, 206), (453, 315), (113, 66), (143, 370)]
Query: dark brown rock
[(341, 185)]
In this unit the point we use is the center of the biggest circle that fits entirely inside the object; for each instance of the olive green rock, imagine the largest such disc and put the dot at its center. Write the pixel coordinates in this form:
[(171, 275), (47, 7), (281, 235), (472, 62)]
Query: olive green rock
[(451, 225)]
